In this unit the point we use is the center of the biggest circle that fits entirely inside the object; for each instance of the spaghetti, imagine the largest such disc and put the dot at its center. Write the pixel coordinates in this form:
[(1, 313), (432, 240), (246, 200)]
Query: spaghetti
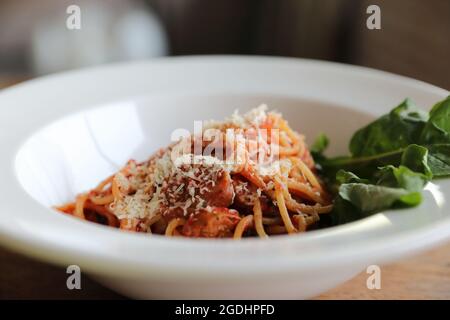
[(249, 175)]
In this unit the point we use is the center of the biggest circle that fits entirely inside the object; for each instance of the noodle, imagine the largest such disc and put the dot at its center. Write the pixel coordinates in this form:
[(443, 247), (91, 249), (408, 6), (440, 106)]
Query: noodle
[(115, 189), (270, 221), (302, 189), (258, 220), (307, 173), (242, 226), (209, 198), (102, 199), (104, 183), (102, 211), (175, 223), (272, 230), (79, 206), (301, 223), (284, 213)]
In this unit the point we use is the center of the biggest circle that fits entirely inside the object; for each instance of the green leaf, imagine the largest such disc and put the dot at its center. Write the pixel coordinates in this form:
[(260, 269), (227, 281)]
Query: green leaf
[(437, 129), (392, 160), (391, 132), (415, 157), (371, 198), (361, 166), (344, 212), (401, 177), (343, 176), (410, 200), (391, 187), (320, 144), (439, 159)]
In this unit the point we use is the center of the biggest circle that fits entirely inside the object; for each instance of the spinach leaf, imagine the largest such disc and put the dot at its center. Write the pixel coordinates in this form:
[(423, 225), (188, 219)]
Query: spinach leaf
[(437, 129), (318, 147), (415, 157), (393, 131), (391, 161), (320, 144), (369, 198), (343, 176), (436, 137), (344, 211), (401, 177), (412, 156), (356, 208), (439, 159), (391, 136), (362, 166), (358, 198)]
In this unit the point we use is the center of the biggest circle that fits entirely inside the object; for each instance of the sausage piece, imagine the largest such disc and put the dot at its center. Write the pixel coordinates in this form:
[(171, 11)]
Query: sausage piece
[(186, 195), (215, 223)]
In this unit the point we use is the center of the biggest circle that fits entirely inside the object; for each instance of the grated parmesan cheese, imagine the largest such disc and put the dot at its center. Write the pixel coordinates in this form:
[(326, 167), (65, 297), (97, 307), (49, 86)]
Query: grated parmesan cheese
[(182, 182), (253, 118)]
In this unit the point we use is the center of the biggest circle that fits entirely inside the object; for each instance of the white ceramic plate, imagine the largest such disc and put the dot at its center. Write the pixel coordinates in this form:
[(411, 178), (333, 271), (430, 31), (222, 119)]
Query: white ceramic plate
[(61, 134)]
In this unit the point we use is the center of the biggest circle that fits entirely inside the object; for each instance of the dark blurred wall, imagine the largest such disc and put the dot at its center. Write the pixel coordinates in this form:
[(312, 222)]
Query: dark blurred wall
[(413, 41), (271, 27)]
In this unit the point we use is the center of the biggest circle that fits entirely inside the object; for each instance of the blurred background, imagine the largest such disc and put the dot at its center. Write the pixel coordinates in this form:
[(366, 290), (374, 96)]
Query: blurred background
[(34, 40), (414, 39)]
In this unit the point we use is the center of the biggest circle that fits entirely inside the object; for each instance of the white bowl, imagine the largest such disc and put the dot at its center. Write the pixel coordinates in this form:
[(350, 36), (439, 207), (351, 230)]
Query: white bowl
[(62, 134)]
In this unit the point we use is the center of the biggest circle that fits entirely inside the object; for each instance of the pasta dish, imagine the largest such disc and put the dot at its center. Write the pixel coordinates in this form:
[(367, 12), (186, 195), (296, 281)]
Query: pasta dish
[(249, 175)]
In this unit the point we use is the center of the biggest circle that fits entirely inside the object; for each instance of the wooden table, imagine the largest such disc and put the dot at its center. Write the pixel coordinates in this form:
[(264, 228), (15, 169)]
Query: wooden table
[(426, 276)]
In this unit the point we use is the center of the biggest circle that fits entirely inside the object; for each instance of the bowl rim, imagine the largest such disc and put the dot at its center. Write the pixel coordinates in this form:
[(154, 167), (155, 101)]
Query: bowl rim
[(199, 258)]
